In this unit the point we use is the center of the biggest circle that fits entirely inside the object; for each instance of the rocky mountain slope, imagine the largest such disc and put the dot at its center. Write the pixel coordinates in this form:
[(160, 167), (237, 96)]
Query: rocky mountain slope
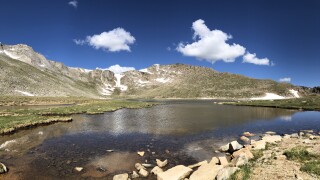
[(26, 72)]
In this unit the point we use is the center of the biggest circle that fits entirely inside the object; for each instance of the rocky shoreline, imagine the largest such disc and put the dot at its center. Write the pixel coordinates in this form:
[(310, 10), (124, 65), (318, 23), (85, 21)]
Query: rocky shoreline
[(261, 156), (267, 156)]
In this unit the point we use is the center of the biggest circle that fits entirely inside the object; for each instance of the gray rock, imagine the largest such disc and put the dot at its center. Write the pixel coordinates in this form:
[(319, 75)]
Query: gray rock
[(226, 172), (176, 173)]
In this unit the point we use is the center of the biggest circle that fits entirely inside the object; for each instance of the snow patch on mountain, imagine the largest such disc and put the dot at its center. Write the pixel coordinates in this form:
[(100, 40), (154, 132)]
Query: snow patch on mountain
[(269, 96), (24, 93), (118, 82), (11, 55), (294, 93), (163, 80)]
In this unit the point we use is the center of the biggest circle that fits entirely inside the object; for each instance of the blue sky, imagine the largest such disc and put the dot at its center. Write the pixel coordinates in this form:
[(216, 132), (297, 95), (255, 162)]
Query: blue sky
[(284, 35)]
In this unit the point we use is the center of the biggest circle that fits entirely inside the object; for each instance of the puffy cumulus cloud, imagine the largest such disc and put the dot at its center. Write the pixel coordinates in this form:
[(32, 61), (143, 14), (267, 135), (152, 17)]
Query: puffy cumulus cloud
[(73, 3), (117, 69), (286, 79), (210, 45), (252, 58), (113, 41)]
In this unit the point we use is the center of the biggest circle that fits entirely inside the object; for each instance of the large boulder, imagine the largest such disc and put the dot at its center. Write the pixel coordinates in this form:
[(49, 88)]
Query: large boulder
[(245, 151), (143, 172), (240, 160), (231, 147), (226, 172), (257, 145), (124, 176), (206, 171), (176, 173), (272, 139), (223, 161), (156, 170)]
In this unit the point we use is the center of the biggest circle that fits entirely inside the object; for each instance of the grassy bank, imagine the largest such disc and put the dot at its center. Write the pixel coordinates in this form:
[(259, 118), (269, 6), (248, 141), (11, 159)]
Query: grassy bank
[(306, 103), (14, 119)]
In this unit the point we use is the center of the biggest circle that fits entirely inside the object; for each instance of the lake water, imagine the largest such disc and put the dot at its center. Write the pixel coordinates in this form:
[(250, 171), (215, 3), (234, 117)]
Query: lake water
[(183, 132)]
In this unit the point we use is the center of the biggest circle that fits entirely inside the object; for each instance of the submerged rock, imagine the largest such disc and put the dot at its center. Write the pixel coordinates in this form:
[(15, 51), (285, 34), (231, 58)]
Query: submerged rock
[(248, 134), (244, 139), (161, 163), (79, 169), (176, 173), (270, 133), (124, 176), (3, 168)]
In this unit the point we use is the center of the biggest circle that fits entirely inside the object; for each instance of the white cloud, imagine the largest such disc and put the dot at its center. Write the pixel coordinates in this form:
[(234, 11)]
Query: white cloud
[(286, 79), (115, 40), (252, 58), (73, 3), (117, 69), (79, 42), (210, 45)]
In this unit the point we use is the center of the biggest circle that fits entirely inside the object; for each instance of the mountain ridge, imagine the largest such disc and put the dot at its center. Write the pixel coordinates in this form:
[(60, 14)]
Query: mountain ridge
[(50, 78)]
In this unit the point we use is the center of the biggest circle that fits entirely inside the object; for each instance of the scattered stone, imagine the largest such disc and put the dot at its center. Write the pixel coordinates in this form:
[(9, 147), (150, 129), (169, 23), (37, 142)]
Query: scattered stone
[(197, 165), (147, 165), (306, 141), (226, 172), (240, 160), (248, 134), (153, 153), (161, 163), (139, 166), (79, 169), (234, 145), (101, 169), (124, 176), (3, 168), (110, 150), (206, 171), (143, 172), (270, 132), (141, 153), (246, 151), (223, 161), (176, 173), (156, 170), (257, 145), (272, 139), (134, 175), (40, 133), (167, 151), (244, 139)]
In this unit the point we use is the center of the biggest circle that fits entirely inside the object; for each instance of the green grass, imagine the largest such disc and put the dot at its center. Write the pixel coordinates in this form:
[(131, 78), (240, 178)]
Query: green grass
[(306, 103), (310, 162), (14, 119), (243, 173)]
